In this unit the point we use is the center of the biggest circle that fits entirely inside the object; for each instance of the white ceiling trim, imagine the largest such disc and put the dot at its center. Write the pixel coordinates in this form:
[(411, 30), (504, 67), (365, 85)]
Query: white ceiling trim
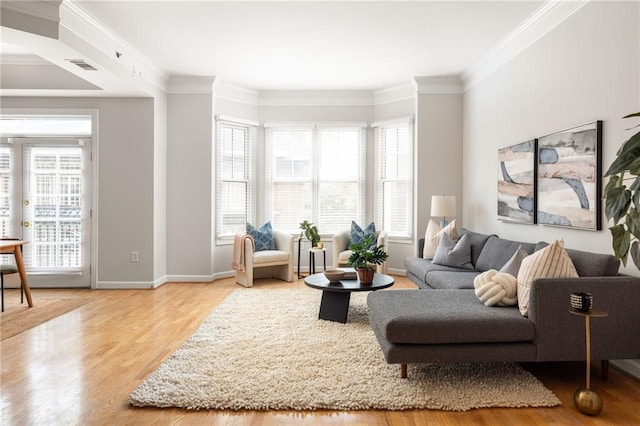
[(439, 85), (394, 94), (224, 90), (191, 85), (315, 98), (132, 63), (551, 14)]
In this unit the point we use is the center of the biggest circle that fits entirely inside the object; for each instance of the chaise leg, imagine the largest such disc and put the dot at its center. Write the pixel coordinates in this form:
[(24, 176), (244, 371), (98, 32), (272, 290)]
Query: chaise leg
[(604, 369), (403, 371)]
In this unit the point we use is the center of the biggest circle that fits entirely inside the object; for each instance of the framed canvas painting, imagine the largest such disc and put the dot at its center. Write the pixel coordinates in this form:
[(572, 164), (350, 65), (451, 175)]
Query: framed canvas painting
[(569, 177), (517, 182)]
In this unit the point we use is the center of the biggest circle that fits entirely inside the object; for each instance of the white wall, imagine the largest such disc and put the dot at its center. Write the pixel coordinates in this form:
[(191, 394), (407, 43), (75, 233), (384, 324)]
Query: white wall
[(125, 184), (586, 69), (189, 187)]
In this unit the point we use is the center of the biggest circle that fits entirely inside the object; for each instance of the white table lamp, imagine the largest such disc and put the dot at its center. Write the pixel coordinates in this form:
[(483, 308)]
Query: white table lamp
[(443, 206)]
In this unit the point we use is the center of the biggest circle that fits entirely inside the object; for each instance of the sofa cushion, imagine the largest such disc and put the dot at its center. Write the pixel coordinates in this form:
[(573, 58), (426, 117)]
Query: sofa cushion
[(432, 237), (456, 279), (421, 267), (550, 262), (477, 242), (497, 252), (589, 264), (450, 316), (454, 253)]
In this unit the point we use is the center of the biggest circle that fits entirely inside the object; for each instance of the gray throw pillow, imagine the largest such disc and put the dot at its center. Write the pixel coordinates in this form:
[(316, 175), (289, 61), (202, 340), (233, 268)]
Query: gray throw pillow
[(455, 254), (513, 265)]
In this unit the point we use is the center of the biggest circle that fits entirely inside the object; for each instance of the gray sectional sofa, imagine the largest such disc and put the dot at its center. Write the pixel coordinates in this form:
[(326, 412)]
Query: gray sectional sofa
[(444, 321)]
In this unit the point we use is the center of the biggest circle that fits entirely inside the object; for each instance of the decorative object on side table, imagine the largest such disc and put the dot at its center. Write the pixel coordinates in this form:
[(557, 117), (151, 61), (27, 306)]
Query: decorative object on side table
[(622, 204), (364, 258), (581, 301), (587, 400), (310, 231)]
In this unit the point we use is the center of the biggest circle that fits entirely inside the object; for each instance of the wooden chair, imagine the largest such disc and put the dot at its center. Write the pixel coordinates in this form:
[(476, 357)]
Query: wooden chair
[(8, 266)]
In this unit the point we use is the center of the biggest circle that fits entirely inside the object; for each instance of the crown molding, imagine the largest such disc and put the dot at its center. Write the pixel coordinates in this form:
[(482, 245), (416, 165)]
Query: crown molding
[(394, 94), (438, 85), (315, 98), (191, 85), (548, 16), (230, 92), (116, 53)]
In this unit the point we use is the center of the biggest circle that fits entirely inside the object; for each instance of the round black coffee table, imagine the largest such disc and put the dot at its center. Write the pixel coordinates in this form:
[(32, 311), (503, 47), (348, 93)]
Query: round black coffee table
[(336, 295)]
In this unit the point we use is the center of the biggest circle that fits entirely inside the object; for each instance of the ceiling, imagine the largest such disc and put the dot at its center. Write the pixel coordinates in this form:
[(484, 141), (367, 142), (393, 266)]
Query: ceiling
[(328, 45)]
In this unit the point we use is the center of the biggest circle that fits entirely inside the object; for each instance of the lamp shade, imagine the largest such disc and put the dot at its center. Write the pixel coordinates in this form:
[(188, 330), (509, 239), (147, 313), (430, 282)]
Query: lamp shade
[(443, 205)]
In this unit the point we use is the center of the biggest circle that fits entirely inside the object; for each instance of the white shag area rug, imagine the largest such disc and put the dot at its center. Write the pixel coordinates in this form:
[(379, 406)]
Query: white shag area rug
[(267, 350)]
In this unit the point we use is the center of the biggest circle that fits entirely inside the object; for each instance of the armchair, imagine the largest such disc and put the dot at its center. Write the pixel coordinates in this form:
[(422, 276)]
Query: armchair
[(341, 252), (276, 263)]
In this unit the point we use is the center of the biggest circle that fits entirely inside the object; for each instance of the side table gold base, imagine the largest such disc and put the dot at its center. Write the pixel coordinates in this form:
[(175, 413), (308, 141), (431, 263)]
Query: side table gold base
[(587, 401)]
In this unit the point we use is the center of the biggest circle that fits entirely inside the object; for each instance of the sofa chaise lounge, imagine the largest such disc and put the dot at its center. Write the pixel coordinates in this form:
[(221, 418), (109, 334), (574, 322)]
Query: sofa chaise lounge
[(444, 321)]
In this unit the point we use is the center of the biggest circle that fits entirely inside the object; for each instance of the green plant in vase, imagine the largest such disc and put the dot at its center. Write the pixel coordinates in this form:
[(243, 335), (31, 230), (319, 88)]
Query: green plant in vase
[(310, 231), (622, 203), (364, 258)]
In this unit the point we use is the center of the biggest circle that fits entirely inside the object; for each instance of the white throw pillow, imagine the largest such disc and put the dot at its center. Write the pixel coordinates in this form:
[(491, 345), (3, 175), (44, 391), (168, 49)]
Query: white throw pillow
[(432, 237), (550, 262), (495, 288)]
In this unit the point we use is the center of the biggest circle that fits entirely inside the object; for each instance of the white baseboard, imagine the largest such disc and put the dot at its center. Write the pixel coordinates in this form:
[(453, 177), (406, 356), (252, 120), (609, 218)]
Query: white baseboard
[(124, 285), (631, 366)]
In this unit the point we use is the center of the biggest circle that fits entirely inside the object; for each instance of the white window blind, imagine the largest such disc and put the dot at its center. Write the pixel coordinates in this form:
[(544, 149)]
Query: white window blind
[(315, 174), (235, 178), (393, 185), (7, 230)]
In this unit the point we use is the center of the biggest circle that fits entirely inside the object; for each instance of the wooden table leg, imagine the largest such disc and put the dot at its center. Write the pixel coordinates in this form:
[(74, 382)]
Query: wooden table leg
[(23, 275)]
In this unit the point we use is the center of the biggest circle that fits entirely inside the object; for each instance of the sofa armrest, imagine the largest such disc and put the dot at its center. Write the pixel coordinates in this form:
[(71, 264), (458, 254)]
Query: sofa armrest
[(560, 336), (420, 252)]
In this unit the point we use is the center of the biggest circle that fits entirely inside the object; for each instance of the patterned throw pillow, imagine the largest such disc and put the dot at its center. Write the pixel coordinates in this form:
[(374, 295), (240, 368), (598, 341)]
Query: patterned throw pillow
[(550, 262), (358, 235), (433, 235), (262, 236)]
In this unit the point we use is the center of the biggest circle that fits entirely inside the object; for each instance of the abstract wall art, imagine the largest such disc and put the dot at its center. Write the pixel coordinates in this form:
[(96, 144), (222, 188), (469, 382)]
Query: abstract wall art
[(517, 183), (569, 177)]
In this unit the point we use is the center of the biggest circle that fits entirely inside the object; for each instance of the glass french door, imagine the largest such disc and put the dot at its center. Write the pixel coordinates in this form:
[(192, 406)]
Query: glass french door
[(46, 196)]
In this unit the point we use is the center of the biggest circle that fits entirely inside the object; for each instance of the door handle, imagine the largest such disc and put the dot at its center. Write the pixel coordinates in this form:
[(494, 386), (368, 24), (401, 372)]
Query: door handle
[(26, 224), (26, 202)]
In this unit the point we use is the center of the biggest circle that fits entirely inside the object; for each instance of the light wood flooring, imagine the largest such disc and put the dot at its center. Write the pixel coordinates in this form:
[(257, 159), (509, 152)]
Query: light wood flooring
[(79, 369)]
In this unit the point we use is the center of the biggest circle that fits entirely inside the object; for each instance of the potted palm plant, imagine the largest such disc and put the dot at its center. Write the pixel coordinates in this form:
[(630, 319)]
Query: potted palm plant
[(622, 203), (364, 258)]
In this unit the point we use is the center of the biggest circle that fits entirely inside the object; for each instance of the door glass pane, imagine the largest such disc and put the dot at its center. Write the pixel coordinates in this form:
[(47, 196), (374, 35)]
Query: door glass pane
[(55, 196), (5, 192)]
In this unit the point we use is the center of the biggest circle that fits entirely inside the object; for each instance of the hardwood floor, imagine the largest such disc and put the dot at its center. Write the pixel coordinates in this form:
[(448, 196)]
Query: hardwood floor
[(79, 368)]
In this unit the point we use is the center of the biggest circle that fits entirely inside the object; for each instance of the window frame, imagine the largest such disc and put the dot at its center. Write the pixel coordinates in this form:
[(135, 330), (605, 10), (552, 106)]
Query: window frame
[(379, 201), (249, 178)]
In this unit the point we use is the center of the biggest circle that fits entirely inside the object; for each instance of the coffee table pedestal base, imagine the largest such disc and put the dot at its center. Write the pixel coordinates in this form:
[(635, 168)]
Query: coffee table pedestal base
[(334, 306)]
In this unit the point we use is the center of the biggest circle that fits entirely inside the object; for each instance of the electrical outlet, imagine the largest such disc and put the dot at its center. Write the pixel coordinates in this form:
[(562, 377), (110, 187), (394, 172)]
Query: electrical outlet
[(135, 257)]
